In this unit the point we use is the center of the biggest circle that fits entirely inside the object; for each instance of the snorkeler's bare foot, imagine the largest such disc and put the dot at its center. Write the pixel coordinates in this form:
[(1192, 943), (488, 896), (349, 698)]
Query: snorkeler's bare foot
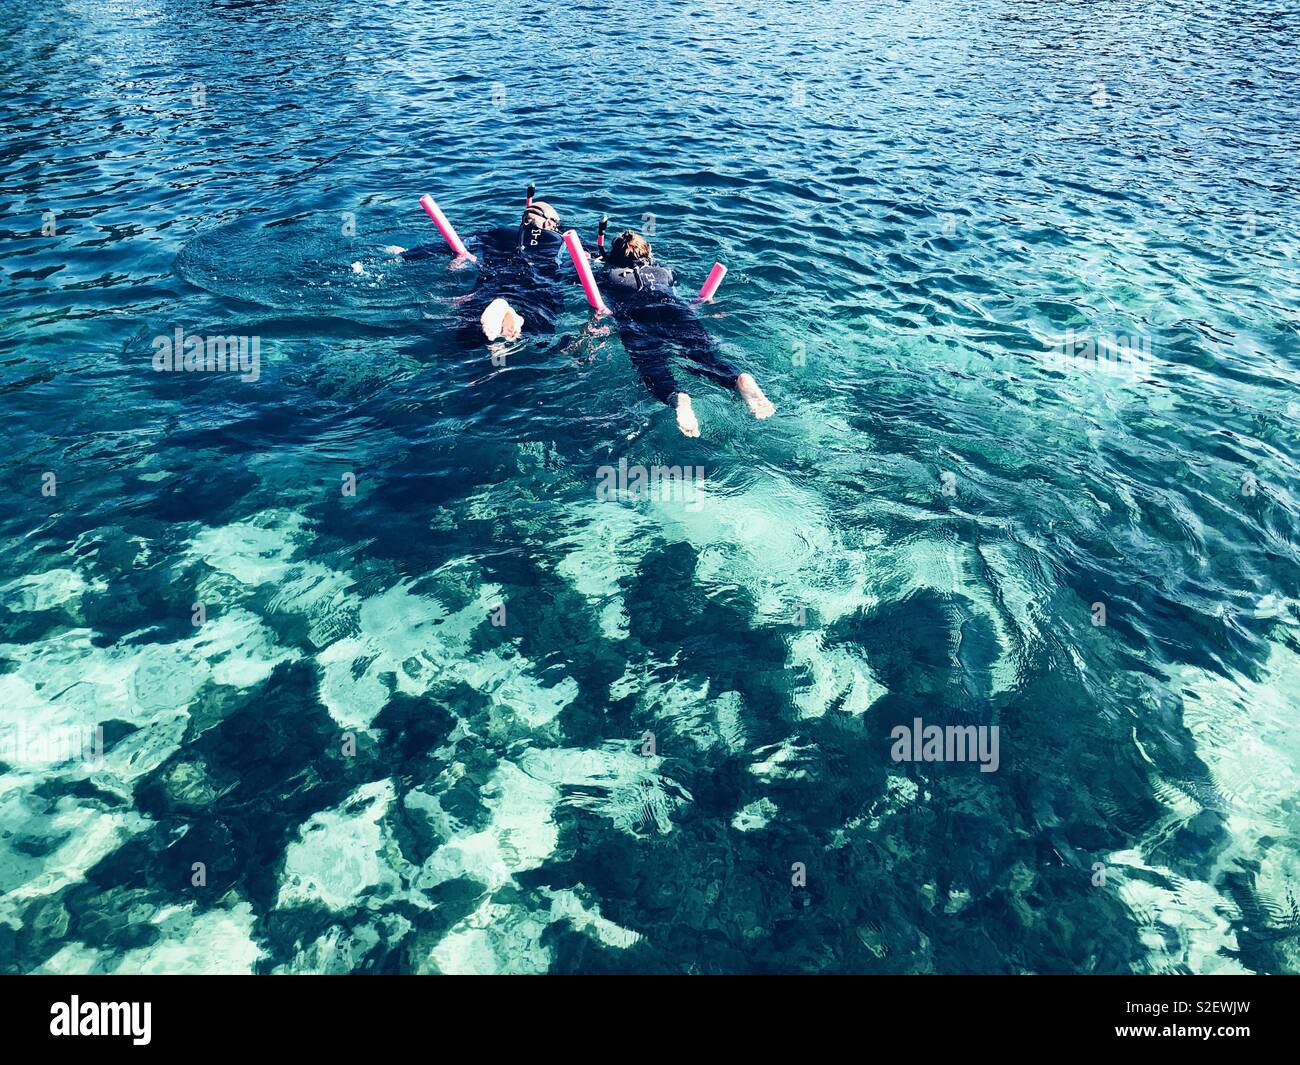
[(686, 420), (759, 405), (499, 319)]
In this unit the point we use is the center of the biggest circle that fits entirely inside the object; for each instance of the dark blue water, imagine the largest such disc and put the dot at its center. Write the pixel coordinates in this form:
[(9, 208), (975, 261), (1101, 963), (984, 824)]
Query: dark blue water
[(383, 685)]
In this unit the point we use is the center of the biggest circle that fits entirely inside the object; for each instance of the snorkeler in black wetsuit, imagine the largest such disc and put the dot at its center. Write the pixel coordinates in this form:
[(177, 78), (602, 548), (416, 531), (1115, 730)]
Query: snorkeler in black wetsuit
[(519, 278), (655, 324)]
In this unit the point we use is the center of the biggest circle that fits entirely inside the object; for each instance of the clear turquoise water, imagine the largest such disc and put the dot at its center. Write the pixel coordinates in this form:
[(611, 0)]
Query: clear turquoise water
[(916, 201)]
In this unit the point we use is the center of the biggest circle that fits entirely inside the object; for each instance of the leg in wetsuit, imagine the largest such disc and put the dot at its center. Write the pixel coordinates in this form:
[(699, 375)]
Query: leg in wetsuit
[(655, 325), (654, 329), (520, 265)]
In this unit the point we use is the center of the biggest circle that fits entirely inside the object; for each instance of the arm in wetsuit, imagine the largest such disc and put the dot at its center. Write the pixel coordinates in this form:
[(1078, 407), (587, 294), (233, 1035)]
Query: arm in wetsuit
[(492, 244), (424, 251)]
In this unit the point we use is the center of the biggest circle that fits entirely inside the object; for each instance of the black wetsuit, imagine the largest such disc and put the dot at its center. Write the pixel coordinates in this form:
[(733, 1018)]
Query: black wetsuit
[(655, 324), (520, 265)]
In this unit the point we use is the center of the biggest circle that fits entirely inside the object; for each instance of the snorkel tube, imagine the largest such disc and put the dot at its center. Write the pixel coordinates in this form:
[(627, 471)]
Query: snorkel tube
[(583, 265), (447, 230), (600, 232), (711, 283), (528, 200)]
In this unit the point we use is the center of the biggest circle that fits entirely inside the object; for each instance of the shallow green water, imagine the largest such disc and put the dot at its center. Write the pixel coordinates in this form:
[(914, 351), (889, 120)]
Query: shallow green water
[(412, 730)]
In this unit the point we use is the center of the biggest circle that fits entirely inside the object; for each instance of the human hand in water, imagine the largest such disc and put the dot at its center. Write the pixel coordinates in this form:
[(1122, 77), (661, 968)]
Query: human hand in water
[(686, 420)]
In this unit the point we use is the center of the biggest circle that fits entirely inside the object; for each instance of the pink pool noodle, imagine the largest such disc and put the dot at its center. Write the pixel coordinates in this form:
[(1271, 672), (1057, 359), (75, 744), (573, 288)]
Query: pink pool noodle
[(581, 263), (712, 282), (447, 230)]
